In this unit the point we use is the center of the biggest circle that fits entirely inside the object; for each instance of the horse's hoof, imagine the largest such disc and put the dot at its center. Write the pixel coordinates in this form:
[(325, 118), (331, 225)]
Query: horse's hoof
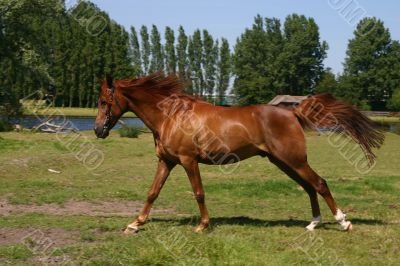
[(314, 223), (350, 227), (131, 229), (310, 227), (200, 228), (346, 226)]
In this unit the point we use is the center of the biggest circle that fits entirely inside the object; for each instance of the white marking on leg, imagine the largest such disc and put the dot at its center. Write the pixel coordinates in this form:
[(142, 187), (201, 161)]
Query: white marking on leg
[(340, 216), (341, 219), (314, 222), (131, 228)]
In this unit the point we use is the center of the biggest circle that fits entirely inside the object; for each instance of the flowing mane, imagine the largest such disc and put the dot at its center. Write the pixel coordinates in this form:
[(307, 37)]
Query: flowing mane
[(159, 85)]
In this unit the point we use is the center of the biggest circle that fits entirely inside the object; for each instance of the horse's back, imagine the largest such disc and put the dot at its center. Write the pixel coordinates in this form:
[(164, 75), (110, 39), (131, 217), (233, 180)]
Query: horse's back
[(211, 132), (264, 127)]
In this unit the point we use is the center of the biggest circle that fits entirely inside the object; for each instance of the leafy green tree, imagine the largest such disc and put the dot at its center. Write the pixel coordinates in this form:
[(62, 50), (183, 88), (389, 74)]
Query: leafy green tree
[(394, 102), (255, 54), (393, 76), (23, 53), (303, 54), (170, 55), (269, 60), (327, 83), (371, 64), (61, 52), (223, 69), (145, 49), (157, 59)]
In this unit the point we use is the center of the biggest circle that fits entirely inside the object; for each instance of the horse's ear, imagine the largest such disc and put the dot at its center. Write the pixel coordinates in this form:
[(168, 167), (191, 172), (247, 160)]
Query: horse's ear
[(110, 82)]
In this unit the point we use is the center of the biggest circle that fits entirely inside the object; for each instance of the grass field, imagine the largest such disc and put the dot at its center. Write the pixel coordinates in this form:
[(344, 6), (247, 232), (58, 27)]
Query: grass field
[(391, 119), (73, 214)]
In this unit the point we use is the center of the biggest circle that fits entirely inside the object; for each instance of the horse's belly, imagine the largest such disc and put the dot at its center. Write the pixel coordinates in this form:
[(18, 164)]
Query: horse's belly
[(228, 156)]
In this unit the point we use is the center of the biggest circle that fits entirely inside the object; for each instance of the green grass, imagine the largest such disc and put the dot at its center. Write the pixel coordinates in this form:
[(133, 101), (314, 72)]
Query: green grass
[(5, 126), (67, 111), (385, 118), (257, 213), (130, 131)]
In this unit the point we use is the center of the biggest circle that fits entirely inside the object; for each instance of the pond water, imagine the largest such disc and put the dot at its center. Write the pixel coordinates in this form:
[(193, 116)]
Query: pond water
[(390, 127), (78, 122)]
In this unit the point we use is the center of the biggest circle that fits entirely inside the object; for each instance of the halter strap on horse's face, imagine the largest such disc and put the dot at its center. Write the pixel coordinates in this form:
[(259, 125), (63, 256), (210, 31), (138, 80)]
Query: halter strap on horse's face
[(110, 99)]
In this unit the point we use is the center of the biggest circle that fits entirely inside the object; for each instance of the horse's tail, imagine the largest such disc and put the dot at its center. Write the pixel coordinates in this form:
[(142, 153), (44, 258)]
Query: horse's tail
[(325, 111)]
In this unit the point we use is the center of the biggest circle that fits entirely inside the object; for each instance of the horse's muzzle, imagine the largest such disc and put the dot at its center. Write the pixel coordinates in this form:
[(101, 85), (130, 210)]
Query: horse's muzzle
[(101, 132)]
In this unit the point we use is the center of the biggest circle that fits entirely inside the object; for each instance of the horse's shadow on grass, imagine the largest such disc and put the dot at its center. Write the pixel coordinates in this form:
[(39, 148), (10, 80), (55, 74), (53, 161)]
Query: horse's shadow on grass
[(249, 221)]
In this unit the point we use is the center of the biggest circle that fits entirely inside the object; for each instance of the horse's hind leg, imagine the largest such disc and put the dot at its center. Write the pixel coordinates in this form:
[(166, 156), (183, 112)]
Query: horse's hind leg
[(293, 161), (287, 149), (312, 193), (304, 175), (319, 184)]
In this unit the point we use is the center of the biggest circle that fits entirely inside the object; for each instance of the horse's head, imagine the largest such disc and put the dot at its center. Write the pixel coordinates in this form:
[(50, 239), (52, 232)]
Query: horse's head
[(110, 109)]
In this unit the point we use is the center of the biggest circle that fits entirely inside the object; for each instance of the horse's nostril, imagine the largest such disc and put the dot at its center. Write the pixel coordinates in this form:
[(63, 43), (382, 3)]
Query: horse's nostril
[(96, 130)]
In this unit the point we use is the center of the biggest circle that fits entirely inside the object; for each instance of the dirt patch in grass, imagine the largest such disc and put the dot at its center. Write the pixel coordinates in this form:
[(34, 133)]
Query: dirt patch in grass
[(32, 237), (89, 208), (44, 244), (51, 260)]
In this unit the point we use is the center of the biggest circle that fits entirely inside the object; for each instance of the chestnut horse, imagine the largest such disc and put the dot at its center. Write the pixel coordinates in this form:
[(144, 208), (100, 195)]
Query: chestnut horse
[(189, 131)]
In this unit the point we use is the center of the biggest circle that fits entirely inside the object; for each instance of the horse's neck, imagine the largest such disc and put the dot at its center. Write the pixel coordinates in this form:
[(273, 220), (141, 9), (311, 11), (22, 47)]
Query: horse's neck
[(146, 109)]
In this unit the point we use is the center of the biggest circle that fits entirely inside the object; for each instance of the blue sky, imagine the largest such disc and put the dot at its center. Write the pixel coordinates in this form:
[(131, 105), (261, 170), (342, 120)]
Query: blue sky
[(229, 18)]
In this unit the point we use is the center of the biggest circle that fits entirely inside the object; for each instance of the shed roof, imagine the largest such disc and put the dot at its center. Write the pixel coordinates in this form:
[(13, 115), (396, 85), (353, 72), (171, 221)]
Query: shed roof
[(287, 99)]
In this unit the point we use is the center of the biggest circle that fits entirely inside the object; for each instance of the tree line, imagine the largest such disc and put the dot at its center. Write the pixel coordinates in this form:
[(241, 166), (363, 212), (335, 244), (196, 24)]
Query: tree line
[(271, 59), (199, 57), (58, 51), (64, 52)]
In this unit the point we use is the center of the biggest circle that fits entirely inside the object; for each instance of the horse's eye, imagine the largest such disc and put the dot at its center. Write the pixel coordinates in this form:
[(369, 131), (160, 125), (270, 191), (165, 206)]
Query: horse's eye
[(103, 102)]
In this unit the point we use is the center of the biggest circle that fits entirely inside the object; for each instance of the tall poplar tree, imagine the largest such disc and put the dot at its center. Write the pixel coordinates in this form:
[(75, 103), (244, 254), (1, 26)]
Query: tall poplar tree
[(223, 69), (144, 34), (196, 57), (170, 55), (157, 59), (209, 59), (135, 52), (182, 54)]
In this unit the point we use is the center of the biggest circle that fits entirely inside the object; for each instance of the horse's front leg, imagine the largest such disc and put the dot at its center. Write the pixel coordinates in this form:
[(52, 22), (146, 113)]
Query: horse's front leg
[(163, 170), (193, 172)]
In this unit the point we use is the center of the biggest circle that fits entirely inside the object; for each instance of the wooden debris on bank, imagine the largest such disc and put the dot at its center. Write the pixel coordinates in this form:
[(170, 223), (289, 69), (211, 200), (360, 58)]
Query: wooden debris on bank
[(49, 127)]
